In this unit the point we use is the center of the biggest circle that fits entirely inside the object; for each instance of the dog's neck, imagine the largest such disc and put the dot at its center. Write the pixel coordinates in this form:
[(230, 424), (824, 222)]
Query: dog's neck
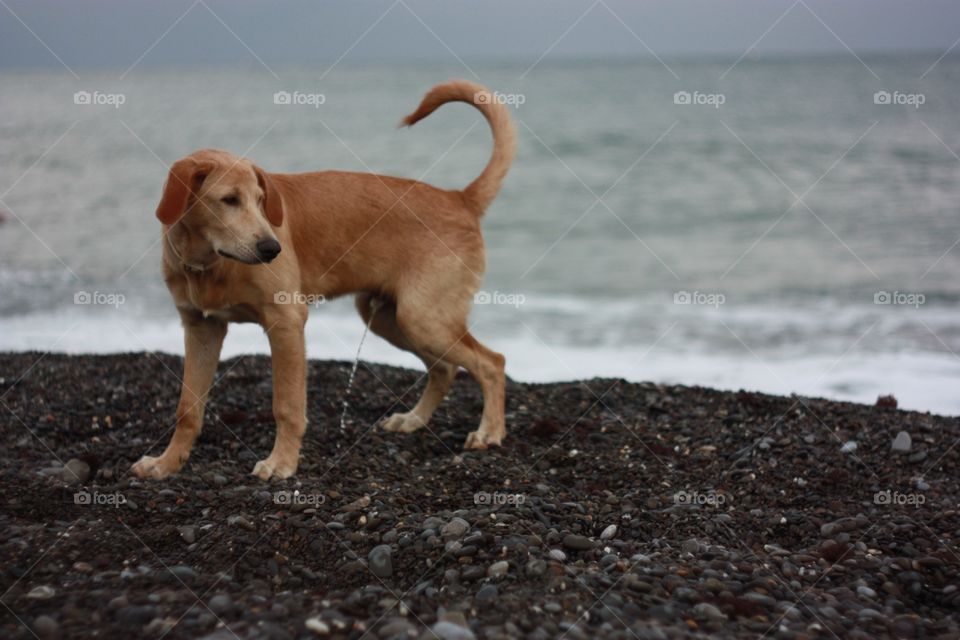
[(189, 259)]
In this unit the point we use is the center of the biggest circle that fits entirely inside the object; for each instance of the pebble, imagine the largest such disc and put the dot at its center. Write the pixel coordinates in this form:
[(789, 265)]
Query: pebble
[(609, 532), (577, 542), (188, 533), (455, 528), (498, 569), (43, 592), (317, 626), (220, 603), (866, 592), (849, 447), (691, 546), (449, 631), (46, 627), (76, 471), (557, 554), (380, 562), (707, 611), (902, 443), (487, 594)]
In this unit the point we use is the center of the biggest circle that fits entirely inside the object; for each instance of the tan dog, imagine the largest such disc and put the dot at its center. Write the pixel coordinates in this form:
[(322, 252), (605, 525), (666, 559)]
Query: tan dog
[(412, 252)]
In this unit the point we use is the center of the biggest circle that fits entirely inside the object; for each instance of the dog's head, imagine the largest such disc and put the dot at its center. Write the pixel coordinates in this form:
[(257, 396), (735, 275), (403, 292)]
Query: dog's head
[(226, 202)]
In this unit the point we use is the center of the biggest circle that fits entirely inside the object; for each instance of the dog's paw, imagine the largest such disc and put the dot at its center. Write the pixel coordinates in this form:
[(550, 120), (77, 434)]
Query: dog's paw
[(404, 423), (274, 468), (155, 468), (480, 439)]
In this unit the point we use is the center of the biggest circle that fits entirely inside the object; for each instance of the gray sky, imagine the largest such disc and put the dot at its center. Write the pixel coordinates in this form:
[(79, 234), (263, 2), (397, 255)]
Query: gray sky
[(115, 33)]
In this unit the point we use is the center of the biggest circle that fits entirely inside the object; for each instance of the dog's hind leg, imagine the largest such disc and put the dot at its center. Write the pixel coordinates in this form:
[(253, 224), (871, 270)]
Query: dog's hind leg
[(441, 373), (437, 332)]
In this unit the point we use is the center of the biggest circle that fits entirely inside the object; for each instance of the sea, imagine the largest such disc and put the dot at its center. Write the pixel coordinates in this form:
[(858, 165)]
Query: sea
[(780, 224)]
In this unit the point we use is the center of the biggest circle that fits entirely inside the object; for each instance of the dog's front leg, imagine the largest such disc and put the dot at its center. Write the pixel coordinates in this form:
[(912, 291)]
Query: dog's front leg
[(203, 338), (289, 360)]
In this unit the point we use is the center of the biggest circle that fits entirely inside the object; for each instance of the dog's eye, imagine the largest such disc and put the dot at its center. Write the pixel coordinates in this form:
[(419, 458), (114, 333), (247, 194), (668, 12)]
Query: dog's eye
[(231, 201)]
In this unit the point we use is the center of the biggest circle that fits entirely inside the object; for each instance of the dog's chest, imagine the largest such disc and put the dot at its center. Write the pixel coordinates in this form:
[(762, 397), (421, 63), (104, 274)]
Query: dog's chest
[(211, 300)]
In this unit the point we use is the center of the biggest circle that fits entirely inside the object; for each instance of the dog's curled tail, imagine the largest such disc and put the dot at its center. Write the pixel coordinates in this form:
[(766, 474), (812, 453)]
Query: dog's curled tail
[(481, 192)]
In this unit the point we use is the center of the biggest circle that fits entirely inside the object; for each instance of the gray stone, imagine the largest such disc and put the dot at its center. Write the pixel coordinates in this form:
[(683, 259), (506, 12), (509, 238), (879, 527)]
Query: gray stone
[(498, 569), (220, 603), (46, 627), (902, 443), (455, 528), (450, 631), (609, 532), (381, 564), (76, 471), (707, 611)]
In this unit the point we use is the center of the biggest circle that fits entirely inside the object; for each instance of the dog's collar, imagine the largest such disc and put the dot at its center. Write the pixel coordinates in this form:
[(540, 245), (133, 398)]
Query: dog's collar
[(188, 268)]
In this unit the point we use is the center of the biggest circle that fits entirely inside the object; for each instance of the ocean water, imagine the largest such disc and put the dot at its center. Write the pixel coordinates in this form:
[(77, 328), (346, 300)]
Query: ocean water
[(783, 232)]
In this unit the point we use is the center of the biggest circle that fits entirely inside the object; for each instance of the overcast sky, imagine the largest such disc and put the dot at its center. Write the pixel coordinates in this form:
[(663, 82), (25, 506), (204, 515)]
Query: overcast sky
[(115, 33)]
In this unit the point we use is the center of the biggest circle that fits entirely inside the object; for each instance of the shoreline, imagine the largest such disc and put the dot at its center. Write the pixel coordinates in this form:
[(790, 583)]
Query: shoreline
[(613, 509)]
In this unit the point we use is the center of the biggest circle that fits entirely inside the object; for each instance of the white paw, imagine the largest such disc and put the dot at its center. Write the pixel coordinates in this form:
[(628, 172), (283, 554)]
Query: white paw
[(404, 422), (150, 467), (273, 468)]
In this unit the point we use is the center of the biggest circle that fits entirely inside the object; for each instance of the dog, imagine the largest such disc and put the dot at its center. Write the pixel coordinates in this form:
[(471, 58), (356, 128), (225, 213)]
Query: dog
[(241, 244)]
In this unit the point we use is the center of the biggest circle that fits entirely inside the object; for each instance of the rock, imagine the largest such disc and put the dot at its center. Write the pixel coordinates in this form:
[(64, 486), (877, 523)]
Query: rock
[(183, 573), (455, 528), (887, 402), (849, 446), (707, 611), (498, 569), (136, 615), (577, 542), (486, 595), (449, 631), (76, 471), (866, 592), (536, 568), (380, 562), (46, 627), (691, 546), (240, 521), (43, 592), (902, 443), (609, 532), (317, 626), (188, 533), (220, 603), (557, 554)]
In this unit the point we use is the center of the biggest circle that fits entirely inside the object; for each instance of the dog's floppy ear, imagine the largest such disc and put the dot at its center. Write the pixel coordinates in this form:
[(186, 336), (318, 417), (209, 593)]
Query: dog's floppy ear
[(185, 177), (272, 203)]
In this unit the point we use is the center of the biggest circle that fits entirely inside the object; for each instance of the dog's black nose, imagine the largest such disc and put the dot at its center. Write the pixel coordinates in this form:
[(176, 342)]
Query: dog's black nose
[(268, 249)]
